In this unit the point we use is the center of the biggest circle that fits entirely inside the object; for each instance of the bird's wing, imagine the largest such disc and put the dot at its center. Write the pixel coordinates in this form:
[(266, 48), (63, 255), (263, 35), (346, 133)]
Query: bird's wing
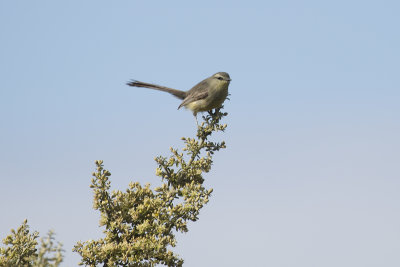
[(178, 93), (198, 92)]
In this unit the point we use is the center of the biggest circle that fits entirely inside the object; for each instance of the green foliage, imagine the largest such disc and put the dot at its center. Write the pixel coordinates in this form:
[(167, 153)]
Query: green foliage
[(21, 249), (50, 254), (140, 223)]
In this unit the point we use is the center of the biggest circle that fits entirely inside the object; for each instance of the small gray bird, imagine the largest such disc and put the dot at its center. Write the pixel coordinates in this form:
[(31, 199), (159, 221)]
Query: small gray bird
[(204, 96)]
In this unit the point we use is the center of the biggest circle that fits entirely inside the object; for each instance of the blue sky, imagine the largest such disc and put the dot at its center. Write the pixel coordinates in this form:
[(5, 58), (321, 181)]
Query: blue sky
[(310, 176)]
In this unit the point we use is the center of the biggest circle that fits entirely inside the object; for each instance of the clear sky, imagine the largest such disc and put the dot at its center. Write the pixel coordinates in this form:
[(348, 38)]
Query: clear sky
[(311, 174)]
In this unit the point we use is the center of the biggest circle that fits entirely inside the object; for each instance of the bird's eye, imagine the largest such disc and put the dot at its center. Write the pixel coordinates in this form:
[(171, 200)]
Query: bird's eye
[(220, 78)]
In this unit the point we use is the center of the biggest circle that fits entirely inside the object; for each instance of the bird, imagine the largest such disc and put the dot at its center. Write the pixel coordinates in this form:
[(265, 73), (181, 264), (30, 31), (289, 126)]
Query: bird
[(208, 94)]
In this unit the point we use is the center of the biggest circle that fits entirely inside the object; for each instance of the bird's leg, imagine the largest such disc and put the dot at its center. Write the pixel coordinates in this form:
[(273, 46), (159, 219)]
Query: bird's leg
[(195, 116)]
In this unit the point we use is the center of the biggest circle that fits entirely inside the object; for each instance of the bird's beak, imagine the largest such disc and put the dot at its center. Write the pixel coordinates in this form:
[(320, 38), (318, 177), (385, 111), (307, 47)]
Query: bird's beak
[(229, 80)]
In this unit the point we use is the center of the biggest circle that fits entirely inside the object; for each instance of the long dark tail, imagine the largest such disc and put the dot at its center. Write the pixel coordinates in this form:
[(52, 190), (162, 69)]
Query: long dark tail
[(178, 93)]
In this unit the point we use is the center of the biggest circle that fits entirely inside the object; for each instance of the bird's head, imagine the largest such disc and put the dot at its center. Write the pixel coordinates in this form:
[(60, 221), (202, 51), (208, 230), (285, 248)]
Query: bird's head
[(222, 77)]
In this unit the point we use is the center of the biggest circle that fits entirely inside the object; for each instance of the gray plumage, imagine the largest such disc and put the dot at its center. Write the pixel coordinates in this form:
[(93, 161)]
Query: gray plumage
[(206, 95)]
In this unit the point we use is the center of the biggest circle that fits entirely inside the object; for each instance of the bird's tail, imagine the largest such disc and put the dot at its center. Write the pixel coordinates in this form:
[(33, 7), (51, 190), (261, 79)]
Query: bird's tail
[(178, 93)]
